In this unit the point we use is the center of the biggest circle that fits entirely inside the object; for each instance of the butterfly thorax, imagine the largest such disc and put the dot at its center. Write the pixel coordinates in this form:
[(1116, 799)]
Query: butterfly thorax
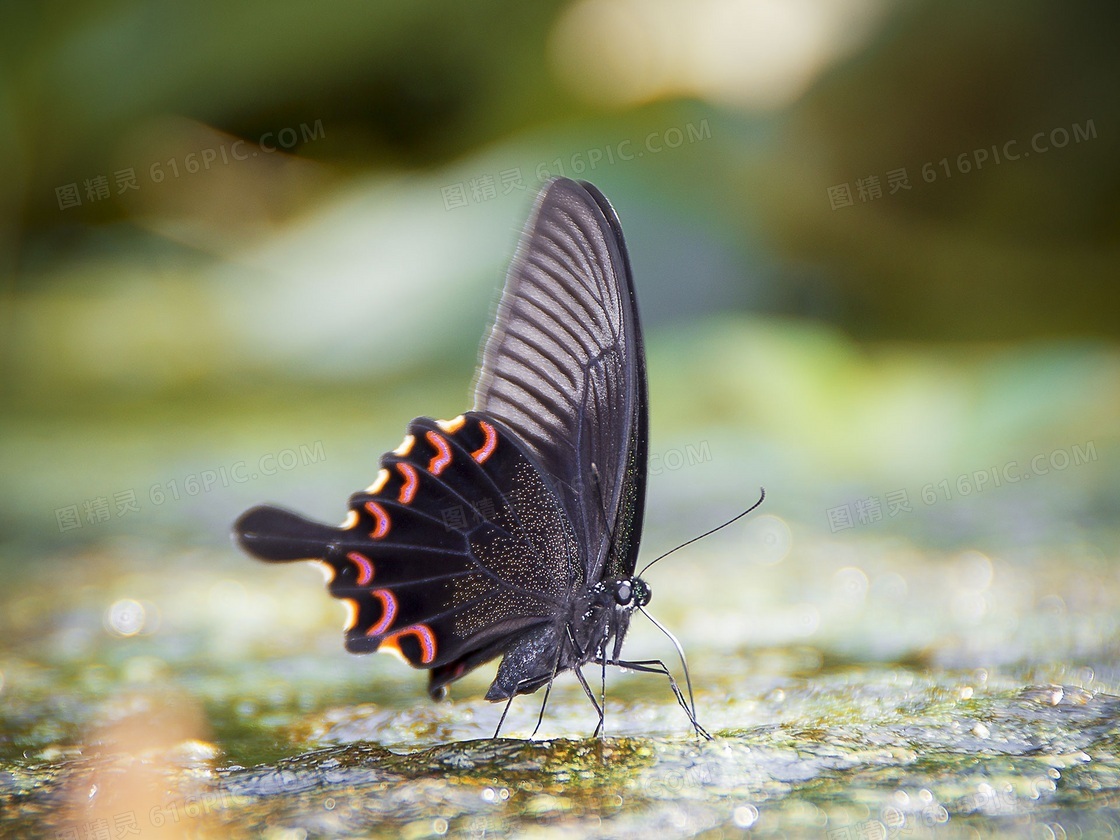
[(599, 615), (603, 615)]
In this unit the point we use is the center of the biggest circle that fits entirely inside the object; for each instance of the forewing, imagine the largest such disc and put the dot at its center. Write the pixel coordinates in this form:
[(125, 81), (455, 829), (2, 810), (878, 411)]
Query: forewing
[(564, 368)]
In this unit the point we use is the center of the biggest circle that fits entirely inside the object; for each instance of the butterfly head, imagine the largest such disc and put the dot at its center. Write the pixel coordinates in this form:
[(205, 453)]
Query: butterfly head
[(632, 592)]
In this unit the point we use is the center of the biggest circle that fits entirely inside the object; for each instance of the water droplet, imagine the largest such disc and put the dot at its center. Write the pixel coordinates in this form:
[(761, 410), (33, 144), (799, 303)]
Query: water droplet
[(745, 816), (768, 539), (125, 617), (851, 584)]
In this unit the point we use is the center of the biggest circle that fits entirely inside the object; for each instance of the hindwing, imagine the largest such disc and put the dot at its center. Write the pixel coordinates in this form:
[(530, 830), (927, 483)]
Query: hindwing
[(459, 545)]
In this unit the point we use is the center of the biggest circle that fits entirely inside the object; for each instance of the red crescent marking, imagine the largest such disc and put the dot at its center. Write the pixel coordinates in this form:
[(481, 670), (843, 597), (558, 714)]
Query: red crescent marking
[(439, 462), (378, 513), (408, 490), (388, 611), (487, 449), (365, 568), (424, 636)]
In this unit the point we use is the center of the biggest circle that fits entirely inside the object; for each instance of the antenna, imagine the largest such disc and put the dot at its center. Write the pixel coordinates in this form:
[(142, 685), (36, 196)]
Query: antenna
[(761, 496)]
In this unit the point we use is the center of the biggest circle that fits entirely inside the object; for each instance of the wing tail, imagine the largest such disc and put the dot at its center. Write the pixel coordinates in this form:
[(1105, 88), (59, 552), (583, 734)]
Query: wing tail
[(279, 536)]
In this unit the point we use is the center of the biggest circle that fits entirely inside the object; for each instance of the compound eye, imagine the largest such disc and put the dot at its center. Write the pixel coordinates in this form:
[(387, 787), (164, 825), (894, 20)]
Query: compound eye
[(643, 594), (623, 592)]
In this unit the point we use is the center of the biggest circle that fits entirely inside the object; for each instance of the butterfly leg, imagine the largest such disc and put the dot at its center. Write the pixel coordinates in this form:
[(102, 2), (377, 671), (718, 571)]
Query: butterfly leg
[(540, 717), (544, 703), (505, 712), (581, 656), (603, 691), (591, 696), (656, 666), (548, 688)]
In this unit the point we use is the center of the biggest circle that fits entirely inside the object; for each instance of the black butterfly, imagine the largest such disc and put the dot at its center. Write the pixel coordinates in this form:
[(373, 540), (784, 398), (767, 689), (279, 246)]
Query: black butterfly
[(513, 529)]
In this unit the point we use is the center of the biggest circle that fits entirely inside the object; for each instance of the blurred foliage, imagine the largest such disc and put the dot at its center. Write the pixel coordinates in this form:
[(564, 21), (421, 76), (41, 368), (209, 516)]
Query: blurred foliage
[(327, 287), (997, 249), (1016, 249)]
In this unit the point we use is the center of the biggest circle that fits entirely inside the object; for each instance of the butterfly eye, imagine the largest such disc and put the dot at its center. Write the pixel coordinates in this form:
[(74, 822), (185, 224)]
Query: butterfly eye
[(642, 593), (623, 592)]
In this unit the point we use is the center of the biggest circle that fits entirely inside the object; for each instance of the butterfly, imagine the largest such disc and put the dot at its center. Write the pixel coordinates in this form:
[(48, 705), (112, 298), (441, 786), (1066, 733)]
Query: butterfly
[(511, 530)]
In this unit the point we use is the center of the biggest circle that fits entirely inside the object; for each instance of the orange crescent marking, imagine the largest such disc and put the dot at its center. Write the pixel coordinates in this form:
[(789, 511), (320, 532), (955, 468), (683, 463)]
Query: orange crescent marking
[(408, 489), (365, 568), (423, 635), (487, 449), (439, 462), (378, 513), (388, 611)]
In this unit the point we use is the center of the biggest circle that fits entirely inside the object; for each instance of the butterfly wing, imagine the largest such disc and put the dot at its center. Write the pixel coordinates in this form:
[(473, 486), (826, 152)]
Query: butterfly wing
[(459, 548), (564, 368), (478, 532)]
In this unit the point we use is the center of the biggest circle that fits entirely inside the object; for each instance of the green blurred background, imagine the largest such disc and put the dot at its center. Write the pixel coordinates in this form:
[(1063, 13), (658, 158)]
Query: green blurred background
[(875, 242), (876, 245)]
